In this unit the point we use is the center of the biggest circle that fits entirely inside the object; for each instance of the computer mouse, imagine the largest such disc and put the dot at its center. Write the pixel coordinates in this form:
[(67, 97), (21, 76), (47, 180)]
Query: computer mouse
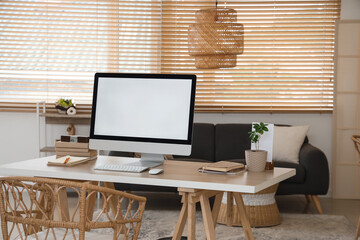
[(155, 171)]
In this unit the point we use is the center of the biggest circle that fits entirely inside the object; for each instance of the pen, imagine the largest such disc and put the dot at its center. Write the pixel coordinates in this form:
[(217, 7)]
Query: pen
[(66, 160)]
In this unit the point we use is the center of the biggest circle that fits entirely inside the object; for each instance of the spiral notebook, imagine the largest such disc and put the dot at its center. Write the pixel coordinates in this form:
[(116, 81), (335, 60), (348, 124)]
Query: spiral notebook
[(69, 161)]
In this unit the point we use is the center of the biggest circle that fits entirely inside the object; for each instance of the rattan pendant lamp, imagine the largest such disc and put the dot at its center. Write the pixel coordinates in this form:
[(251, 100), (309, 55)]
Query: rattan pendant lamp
[(216, 38)]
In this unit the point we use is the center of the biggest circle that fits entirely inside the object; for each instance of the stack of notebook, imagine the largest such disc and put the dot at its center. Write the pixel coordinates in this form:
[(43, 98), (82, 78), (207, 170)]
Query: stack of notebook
[(223, 167), (74, 148)]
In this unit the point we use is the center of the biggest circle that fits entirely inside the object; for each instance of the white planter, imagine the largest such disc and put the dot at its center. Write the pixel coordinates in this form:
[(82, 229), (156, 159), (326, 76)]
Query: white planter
[(61, 111), (256, 160)]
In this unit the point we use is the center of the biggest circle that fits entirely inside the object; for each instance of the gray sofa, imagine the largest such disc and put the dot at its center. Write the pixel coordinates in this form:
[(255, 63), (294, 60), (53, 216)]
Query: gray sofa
[(215, 142)]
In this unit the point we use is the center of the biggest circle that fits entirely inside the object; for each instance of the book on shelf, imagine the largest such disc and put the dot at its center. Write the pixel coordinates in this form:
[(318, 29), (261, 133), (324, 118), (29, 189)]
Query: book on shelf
[(79, 150), (90, 153), (74, 138), (68, 160), (224, 166), (60, 144)]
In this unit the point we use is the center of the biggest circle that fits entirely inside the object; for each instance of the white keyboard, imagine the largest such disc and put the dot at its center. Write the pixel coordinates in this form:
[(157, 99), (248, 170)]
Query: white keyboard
[(121, 168)]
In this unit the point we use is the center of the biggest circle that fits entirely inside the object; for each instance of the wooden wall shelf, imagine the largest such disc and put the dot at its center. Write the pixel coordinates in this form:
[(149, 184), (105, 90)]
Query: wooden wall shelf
[(56, 115), (44, 118), (48, 149)]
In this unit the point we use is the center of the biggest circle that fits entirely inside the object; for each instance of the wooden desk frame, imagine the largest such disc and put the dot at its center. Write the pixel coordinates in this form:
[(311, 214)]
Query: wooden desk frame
[(189, 199), (183, 175)]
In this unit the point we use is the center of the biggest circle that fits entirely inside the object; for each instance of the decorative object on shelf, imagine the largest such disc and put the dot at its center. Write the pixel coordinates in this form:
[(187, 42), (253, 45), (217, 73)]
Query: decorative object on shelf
[(65, 106), (216, 38), (71, 129), (256, 159), (71, 111)]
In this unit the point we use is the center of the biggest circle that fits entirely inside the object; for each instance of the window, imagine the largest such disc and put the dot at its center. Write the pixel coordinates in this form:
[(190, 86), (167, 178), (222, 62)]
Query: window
[(51, 49)]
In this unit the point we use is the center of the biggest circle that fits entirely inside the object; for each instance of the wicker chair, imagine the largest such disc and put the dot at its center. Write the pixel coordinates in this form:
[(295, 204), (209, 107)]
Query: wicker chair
[(28, 210), (356, 140)]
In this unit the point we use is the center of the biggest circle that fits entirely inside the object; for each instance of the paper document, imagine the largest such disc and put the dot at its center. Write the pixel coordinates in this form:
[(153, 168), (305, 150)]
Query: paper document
[(266, 141)]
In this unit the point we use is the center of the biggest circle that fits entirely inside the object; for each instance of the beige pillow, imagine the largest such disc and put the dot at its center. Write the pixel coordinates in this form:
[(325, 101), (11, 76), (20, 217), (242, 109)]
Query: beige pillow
[(288, 141)]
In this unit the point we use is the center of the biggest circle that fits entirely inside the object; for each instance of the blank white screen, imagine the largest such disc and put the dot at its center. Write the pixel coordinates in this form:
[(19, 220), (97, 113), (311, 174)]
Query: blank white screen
[(141, 107)]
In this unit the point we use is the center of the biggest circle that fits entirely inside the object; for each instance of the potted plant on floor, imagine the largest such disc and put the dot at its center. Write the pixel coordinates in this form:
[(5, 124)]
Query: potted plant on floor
[(256, 159)]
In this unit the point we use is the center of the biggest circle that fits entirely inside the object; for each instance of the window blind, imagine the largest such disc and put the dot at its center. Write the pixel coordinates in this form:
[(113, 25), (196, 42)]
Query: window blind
[(51, 49), (287, 64)]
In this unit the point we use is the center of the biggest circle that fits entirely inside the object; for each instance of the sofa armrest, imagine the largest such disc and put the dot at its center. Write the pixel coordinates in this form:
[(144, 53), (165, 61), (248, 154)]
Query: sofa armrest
[(316, 169)]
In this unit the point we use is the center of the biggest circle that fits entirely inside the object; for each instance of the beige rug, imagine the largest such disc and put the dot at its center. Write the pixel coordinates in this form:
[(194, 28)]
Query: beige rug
[(158, 224)]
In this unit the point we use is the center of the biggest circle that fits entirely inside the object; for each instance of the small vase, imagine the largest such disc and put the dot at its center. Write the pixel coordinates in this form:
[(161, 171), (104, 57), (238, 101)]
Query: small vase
[(256, 160)]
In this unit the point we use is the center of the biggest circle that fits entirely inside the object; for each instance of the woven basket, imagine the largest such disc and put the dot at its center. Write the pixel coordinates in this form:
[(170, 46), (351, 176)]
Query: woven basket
[(215, 39), (259, 215)]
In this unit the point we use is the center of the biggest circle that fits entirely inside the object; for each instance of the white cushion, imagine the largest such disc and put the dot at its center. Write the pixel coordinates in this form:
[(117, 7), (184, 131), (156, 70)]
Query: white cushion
[(288, 141)]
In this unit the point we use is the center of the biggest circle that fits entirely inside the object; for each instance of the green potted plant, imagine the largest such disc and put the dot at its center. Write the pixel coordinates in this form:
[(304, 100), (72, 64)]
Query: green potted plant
[(256, 159), (65, 106)]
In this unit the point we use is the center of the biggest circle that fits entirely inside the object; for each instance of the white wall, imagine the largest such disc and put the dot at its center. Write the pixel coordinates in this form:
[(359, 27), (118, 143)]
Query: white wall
[(19, 139), (350, 9), (17, 136)]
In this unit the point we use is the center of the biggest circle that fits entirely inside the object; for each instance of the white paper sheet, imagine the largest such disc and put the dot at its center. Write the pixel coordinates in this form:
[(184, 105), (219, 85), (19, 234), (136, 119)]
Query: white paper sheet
[(266, 141)]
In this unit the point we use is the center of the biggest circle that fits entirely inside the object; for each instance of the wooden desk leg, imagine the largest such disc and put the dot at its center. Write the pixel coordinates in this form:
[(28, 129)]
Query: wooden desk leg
[(207, 216), (191, 218), (39, 215), (90, 203), (244, 219), (63, 205), (216, 207), (114, 202), (229, 209), (113, 205), (189, 199), (179, 229)]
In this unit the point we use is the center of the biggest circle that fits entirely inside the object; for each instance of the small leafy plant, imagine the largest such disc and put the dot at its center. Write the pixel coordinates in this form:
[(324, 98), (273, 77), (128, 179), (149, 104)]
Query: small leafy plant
[(64, 104), (255, 135)]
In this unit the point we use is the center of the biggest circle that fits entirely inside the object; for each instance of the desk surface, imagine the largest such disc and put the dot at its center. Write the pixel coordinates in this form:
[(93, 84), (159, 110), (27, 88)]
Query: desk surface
[(176, 174)]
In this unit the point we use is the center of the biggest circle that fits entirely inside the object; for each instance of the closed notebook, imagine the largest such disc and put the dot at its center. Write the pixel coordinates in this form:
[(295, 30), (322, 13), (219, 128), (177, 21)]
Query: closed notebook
[(60, 144), (72, 160), (223, 166)]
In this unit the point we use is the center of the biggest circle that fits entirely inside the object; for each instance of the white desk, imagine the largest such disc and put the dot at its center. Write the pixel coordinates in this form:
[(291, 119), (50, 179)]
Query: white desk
[(183, 175)]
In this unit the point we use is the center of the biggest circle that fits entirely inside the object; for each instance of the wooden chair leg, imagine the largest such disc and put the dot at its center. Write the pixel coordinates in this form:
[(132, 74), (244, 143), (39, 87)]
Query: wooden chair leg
[(358, 230), (317, 204)]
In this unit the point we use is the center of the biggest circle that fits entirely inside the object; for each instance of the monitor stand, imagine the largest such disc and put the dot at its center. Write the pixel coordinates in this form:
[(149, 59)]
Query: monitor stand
[(151, 160)]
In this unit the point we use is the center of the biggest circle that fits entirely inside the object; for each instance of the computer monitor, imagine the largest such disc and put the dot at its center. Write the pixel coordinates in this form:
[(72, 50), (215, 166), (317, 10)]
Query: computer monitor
[(151, 114)]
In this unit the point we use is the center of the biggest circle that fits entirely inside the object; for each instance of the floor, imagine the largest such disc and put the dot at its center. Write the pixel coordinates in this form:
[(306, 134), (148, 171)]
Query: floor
[(286, 204)]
